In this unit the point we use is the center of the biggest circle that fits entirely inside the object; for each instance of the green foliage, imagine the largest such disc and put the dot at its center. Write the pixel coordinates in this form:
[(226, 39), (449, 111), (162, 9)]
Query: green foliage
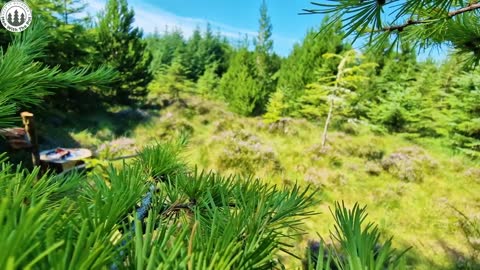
[(199, 220), (208, 83), (314, 102), (172, 81), (301, 66), (276, 108), (470, 226), (198, 53), (465, 112), (238, 85), (335, 87), (163, 161), (423, 22), (24, 81), (121, 46), (264, 60), (359, 247), (163, 48)]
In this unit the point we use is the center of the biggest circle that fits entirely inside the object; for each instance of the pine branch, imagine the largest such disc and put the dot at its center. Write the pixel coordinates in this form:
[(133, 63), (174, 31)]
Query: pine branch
[(451, 14)]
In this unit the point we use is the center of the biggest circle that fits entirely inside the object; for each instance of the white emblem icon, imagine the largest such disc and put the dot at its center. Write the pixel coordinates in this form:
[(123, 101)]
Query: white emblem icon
[(16, 16)]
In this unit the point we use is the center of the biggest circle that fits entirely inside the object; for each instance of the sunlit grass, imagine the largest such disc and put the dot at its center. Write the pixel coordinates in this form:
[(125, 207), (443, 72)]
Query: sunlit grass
[(417, 214)]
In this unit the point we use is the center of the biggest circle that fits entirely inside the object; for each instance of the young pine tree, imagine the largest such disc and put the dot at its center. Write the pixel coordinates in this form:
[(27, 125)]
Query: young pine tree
[(299, 69), (264, 59), (163, 48), (276, 108), (25, 81), (238, 85), (120, 45), (349, 75), (208, 83)]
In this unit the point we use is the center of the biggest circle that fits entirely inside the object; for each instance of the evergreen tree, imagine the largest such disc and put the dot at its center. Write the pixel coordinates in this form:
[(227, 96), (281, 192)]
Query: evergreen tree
[(263, 58), (299, 69), (215, 49), (194, 59), (173, 80), (208, 83), (238, 85), (423, 22), (276, 107), (463, 100), (163, 48), (348, 77), (25, 81), (121, 46)]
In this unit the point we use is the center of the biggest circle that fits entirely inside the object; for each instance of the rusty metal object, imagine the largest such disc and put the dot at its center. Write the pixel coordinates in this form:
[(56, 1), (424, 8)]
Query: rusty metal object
[(16, 138)]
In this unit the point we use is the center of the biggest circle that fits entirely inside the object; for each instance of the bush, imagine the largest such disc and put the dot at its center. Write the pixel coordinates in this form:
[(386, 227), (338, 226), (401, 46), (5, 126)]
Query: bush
[(245, 153), (115, 148), (371, 150), (317, 177), (172, 125), (473, 174), (409, 164), (373, 168)]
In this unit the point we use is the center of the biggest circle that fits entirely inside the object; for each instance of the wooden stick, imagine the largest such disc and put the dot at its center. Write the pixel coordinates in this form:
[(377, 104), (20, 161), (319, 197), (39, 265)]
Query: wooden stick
[(31, 132)]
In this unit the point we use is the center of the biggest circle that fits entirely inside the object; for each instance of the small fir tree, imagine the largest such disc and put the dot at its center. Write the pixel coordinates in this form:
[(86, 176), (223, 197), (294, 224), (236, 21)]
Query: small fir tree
[(120, 45)]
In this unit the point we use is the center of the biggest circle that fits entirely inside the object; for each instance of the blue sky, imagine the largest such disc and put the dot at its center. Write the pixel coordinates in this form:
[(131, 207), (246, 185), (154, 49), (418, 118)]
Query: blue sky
[(233, 19)]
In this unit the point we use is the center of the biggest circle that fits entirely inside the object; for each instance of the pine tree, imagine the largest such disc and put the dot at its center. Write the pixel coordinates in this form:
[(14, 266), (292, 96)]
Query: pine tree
[(121, 46), (463, 102), (172, 79), (238, 85), (263, 59), (215, 49), (193, 57), (349, 75), (276, 108), (163, 48), (18, 88), (208, 83), (299, 69), (424, 22)]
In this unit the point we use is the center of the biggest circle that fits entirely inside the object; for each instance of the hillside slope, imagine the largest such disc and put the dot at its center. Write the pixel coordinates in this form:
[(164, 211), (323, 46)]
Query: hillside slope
[(411, 186)]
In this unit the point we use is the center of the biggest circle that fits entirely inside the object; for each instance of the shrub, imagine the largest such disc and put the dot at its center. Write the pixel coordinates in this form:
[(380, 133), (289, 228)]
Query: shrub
[(470, 226), (245, 152), (373, 168), (117, 147), (473, 174), (317, 177), (171, 126), (351, 127), (283, 126), (409, 164), (371, 150)]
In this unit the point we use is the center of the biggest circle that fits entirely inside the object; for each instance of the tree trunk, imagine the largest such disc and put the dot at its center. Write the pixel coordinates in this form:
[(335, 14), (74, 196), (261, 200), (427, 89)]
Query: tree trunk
[(327, 123)]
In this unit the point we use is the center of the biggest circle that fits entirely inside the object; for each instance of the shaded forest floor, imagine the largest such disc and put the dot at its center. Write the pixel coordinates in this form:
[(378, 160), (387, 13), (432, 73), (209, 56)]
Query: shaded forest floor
[(411, 185)]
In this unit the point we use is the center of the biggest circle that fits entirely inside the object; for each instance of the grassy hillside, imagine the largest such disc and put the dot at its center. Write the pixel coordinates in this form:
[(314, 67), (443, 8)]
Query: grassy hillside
[(412, 186)]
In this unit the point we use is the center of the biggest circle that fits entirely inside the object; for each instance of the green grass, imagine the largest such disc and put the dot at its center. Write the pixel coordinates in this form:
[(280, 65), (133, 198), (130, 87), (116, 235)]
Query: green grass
[(417, 213)]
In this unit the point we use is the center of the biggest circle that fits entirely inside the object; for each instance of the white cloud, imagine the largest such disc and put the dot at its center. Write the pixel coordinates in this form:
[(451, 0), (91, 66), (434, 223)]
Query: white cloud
[(149, 18)]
